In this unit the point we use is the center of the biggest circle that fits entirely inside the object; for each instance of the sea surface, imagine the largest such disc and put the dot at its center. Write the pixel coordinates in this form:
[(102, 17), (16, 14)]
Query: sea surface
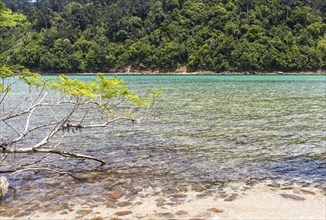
[(212, 129), (219, 128)]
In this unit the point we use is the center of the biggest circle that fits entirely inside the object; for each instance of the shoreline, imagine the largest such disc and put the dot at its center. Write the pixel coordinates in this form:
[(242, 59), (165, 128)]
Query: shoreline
[(234, 201), (184, 72), (203, 73), (188, 74)]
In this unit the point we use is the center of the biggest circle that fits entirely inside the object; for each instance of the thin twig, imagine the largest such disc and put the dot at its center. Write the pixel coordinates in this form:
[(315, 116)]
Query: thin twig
[(3, 158)]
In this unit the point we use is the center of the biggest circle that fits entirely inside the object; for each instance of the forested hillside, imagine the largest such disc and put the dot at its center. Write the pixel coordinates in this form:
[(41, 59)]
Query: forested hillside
[(215, 35)]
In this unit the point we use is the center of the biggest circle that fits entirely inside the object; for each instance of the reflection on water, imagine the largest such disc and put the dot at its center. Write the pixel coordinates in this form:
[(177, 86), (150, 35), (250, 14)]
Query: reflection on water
[(216, 129)]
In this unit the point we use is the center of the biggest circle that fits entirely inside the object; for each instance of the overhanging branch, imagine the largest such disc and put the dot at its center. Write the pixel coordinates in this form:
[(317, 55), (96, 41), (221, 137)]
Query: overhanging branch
[(51, 151)]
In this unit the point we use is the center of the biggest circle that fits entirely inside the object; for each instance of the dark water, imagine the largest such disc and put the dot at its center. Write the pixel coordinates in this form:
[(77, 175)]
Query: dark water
[(217, 128)]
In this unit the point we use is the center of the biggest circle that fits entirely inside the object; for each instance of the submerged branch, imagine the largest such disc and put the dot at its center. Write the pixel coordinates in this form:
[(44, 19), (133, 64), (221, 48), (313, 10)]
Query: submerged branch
[(70, 154), (50, 151), (14, 172)]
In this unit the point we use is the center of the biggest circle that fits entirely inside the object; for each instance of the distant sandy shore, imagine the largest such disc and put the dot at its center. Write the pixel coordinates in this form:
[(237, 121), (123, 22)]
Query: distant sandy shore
[(195, 73), (182, 71), (260, 202), (147, 72)]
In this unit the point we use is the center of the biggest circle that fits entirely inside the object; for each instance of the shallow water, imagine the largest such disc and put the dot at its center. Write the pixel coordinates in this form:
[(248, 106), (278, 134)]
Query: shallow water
[(210, 129), (216, 128)]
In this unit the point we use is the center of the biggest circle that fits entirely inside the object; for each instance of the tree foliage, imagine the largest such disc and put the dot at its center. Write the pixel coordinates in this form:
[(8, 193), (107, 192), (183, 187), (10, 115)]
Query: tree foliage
[(8, 18), (218, 35)]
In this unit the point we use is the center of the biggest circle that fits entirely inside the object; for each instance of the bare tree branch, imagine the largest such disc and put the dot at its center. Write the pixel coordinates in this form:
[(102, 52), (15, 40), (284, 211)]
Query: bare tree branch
[(3, 158), (51, 151), (14, 172), (46, 112)]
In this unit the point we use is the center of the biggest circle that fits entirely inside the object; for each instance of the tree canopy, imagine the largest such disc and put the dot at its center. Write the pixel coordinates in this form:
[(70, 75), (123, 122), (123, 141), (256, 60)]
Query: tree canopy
[(8, 18), (216, 35)]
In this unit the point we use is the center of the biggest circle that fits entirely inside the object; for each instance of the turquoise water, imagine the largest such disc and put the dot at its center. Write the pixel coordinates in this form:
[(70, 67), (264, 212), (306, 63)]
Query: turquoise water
[(220, 128), (209, 128), (204, 132)]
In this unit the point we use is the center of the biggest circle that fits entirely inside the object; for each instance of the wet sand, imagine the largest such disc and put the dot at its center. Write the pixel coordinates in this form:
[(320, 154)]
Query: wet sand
[(263, 201)]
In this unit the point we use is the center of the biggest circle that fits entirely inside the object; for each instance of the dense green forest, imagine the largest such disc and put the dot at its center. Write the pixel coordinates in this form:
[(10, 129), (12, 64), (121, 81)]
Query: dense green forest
[(215, 35)]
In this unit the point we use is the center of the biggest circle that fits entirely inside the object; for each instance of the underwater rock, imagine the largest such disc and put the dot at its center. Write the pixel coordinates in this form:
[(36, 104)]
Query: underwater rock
[(223, 195), (294, 197), (165, 215), (230, 198), (181, 212), (124, 204), (97, 218), (287, 188), (160, 202), (64, 213), (215, 210), (84, 212), (179, 196), (198, 188), (23, 214), (123, 213), (307, 192), (115, 194), (55, 208), (274, 184), (251, 183), (202, 195), (110, 204)]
